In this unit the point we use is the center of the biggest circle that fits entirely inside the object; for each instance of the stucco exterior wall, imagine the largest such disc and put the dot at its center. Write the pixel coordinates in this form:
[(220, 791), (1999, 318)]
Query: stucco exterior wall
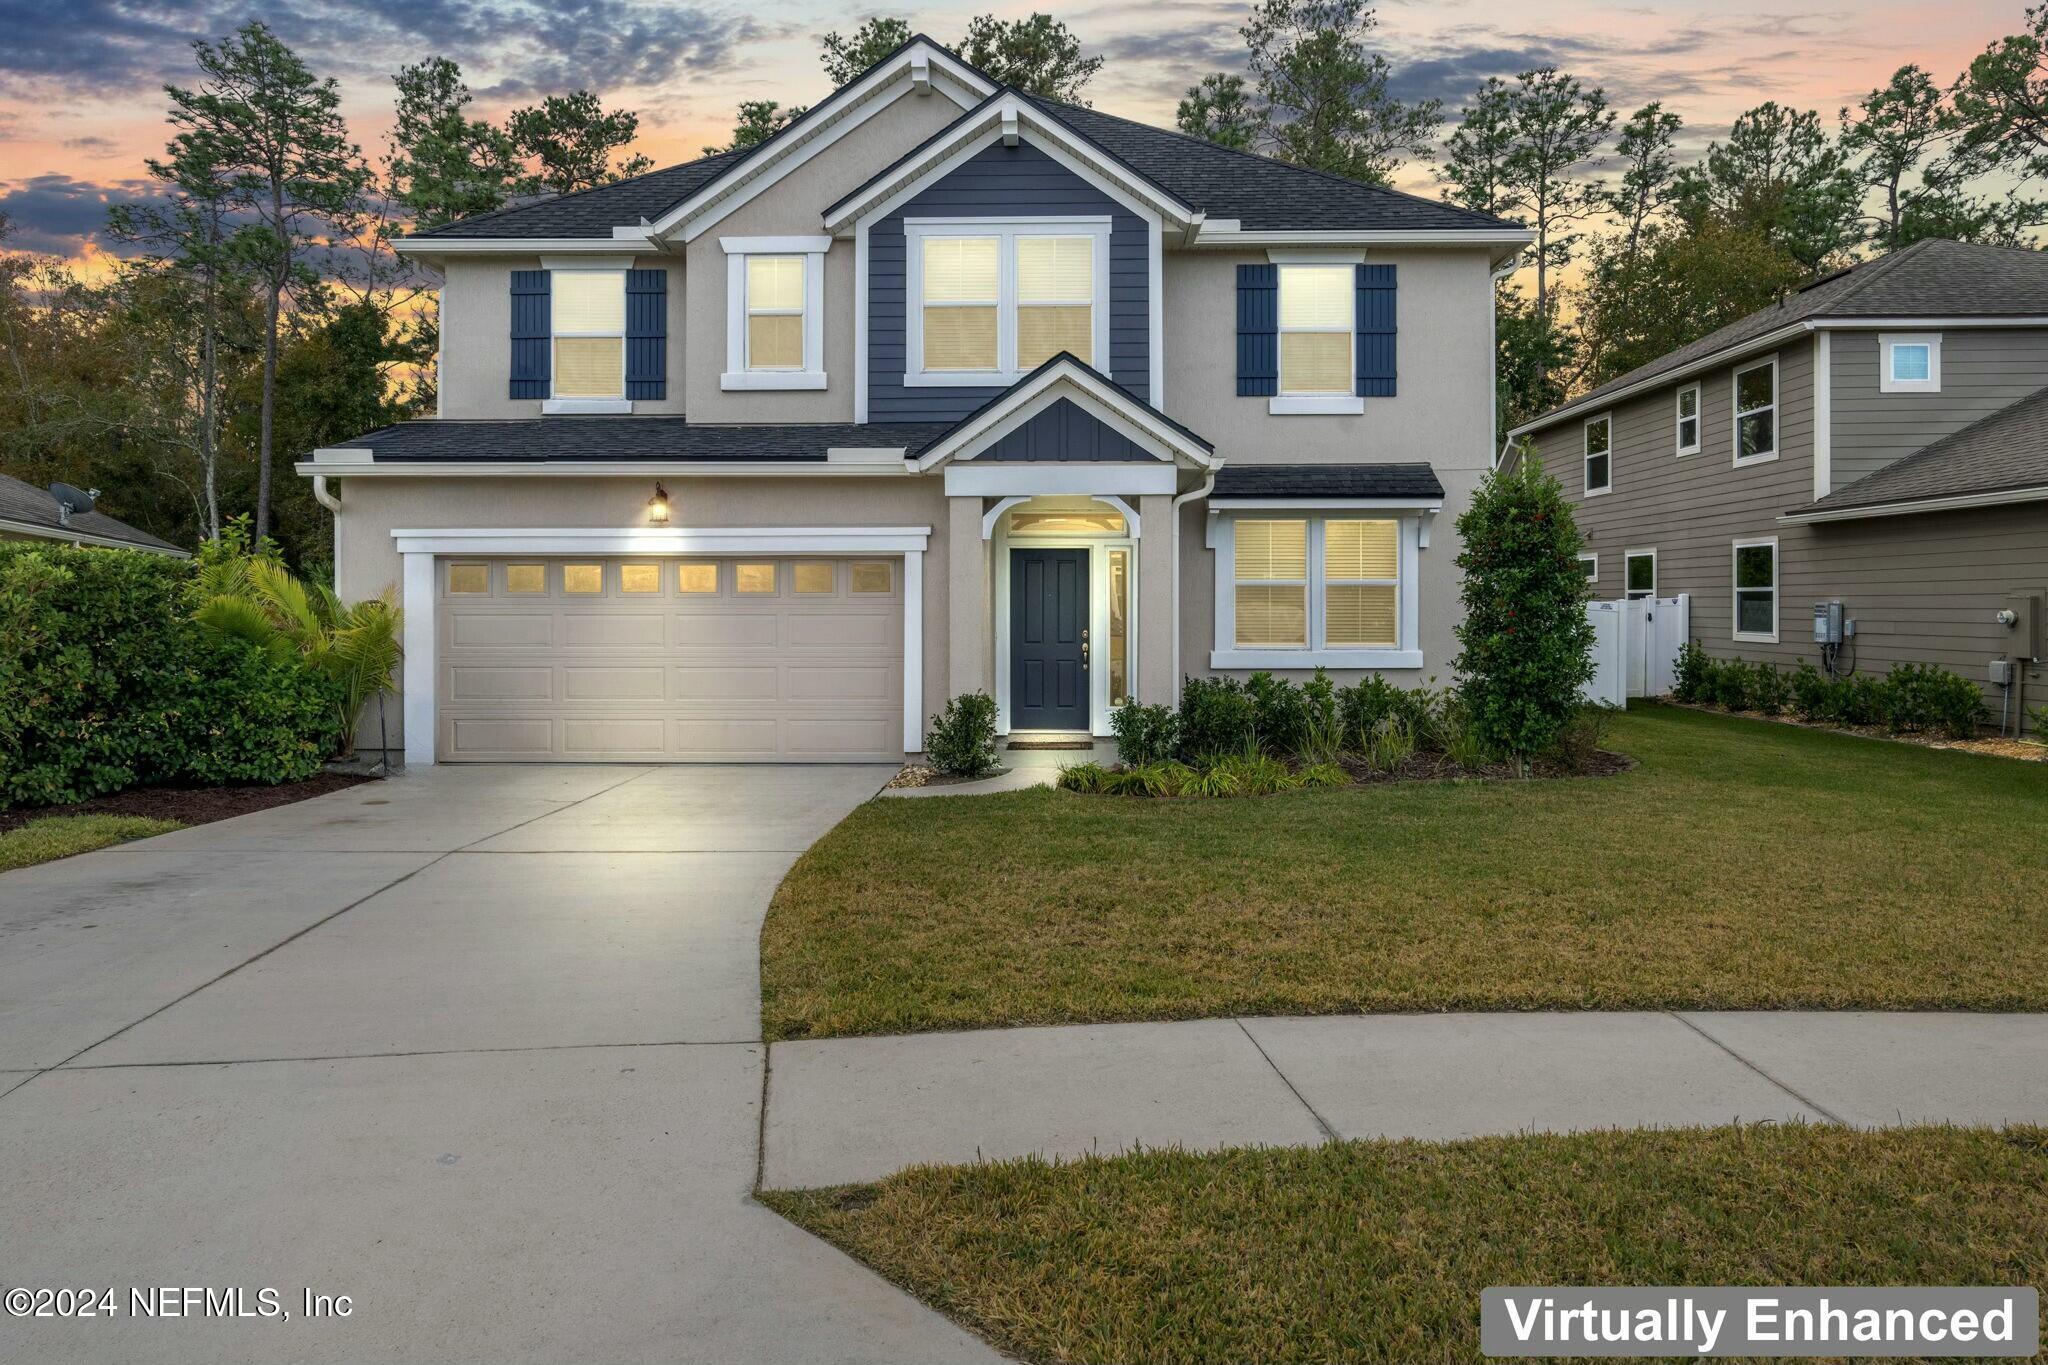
[(1442, 410)]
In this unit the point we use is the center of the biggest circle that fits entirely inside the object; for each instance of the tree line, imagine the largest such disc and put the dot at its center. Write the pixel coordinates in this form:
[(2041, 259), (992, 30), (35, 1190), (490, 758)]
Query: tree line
[(261, 312)]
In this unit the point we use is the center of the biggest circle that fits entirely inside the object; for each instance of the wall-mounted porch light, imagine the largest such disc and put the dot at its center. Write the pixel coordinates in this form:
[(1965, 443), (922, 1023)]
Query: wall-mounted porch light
[(657, 506)]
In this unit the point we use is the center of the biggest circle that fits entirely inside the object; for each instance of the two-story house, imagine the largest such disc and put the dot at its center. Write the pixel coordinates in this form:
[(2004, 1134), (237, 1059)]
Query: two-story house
[(1875, 439), (943, 388)]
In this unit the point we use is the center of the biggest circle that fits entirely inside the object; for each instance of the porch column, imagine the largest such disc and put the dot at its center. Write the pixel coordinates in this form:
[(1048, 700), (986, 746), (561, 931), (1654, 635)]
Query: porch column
[(1156, 626), (968, 639)]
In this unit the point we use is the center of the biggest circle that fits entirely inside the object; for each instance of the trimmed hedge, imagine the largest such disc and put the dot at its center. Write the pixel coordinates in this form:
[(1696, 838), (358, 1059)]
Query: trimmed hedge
[(1912, 697), (106, 683)]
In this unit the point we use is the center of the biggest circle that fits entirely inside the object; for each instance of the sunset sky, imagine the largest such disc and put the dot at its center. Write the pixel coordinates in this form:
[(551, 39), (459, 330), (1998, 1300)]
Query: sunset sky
[(81, 102)]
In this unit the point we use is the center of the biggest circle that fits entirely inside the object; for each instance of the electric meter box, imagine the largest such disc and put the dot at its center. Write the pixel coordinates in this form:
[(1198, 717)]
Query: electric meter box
[(2026, 625), (1827, 623)]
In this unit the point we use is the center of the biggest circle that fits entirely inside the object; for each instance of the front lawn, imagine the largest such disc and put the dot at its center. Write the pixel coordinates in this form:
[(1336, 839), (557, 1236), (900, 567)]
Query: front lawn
[(1378, 1251), (60, 836), (1739, 865)]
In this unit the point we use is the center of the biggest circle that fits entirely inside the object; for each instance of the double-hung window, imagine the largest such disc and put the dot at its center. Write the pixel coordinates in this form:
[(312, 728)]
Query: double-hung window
[(1756, 413), (1299, 591), (1318, 328), (775, 312), (991, 302), (589, 311), (1909, 362), (1599, 454), (1756, 590), (1688, 420)]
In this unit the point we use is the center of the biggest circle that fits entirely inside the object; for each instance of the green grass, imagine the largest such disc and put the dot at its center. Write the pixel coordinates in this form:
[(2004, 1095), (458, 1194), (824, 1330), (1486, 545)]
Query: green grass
[(60, 836), (1378, 1251), (1741, 864)]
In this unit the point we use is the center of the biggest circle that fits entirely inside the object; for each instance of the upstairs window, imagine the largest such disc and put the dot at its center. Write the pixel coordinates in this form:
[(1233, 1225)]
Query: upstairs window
[(1599, 458), (1756, 413), (1688, 420), (590, 333), (775, 312), (1317, 330), (990, 304), (1909, 362)]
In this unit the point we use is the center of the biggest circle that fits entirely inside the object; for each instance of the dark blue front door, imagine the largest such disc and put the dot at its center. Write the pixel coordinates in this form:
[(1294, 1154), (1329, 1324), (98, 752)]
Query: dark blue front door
[(1049, 639)]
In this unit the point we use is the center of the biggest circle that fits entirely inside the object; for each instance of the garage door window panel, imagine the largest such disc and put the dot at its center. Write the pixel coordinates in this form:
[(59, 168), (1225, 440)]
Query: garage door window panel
[(582, 579), (815, 578), (755, 579), (696, 579), (639, 578), (526, 579), (469, 578)]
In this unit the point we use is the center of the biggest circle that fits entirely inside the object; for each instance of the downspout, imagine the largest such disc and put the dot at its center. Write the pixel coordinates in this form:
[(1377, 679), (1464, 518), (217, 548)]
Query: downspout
[(323, 497), (1506, 268), (1208, 485)]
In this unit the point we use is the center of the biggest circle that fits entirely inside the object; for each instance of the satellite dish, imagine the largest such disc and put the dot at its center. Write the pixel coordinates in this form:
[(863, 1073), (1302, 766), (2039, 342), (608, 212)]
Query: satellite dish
[(72, 499)]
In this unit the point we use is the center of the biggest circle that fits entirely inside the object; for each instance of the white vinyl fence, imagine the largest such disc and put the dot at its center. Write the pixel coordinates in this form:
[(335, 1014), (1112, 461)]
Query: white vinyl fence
[(1635, 646)]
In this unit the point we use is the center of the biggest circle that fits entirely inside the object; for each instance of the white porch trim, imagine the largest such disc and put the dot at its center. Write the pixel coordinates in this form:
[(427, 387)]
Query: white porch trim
[(1098, 548), (995, 514), (1087, 391), (1005, 479), (419, 549)]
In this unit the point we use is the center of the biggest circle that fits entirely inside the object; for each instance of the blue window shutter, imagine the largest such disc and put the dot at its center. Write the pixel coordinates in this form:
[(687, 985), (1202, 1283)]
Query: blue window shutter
[(532, 333), (1375, 331), (1258, 331), (647, 333)]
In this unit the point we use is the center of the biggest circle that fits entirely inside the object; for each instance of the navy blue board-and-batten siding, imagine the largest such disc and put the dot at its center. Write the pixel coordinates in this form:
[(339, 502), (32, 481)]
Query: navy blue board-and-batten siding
[(1064, 432), (1002, 182)]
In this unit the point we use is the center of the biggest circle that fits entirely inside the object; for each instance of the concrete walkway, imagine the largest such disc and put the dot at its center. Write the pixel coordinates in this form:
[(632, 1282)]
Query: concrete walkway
[(476, 1047), (853, 1109)]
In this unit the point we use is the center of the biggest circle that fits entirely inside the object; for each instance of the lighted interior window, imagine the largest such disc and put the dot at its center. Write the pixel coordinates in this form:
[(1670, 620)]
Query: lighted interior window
[(775, 312), (697, 578), (871, 575), (1316, 303), (1119, 627), (526, 578), (816, 577), (1066, 524), (583, 578), (469, 578), (1361, 572), (754, 578), (639, 578), (1271, 568), (1055, 299), (961, 295), (589, 311)]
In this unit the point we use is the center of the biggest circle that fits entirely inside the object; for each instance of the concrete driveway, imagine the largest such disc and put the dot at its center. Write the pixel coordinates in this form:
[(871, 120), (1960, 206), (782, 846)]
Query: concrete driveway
[(476, 1047)]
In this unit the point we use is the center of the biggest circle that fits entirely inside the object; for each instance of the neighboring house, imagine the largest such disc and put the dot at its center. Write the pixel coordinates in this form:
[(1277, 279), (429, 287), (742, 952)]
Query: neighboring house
[(983, 392), (1876, 438), (31, 513)]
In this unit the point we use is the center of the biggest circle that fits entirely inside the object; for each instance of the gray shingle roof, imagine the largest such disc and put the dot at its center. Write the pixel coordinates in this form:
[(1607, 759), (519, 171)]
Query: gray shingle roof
[(28, 505), (1933, 278), (2004, 452), (1327, 481), (629, 438), (594, 212), (1258, 191)]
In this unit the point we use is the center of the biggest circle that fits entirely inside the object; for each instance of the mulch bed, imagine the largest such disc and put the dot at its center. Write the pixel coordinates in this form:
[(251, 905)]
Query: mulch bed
[(1438, 768), (2033, 751), (191, 805)]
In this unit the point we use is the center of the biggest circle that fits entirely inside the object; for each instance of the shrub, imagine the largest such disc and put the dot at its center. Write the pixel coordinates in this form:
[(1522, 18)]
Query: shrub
[(1922, 697), (1318, 776), (1585, 735), (1083, 777), (239, 713), (1217, 716), (1279, 713), (1145, 734), (1361, 706), (962, 740), (1769, 690), (1252, 774), (1390, 744), (1322, 724), (1810, 691), (1694, 679), (2038, 716), (1527, 645), (1152, 779)]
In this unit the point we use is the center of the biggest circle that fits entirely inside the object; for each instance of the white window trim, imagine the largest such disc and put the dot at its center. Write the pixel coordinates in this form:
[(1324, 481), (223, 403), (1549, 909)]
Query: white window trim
[(552, 406), (1887, 340), (1006, 231), (1586, 455), (737, 376), (1407, 651), (1308, 401), (1591, 557), (1650, 553), (1736, 409), (1735, 592), (1678, 420)]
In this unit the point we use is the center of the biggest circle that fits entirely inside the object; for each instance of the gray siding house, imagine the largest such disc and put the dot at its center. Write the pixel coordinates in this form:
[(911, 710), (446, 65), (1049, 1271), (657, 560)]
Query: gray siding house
[(1876, 437), (942, 388)]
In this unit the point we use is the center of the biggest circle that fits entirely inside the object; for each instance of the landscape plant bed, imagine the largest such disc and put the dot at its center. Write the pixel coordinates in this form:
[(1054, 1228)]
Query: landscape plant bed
[(2025, 749), (1378, 1251), (191, 805), (1735, 866), (1417, 767)]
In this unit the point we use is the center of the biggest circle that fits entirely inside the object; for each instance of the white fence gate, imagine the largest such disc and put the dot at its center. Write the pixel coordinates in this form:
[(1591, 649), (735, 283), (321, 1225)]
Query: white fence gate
[(1635, 647)]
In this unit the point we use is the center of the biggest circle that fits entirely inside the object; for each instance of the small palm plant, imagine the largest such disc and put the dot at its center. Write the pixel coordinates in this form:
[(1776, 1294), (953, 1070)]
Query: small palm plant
[(248, 594)]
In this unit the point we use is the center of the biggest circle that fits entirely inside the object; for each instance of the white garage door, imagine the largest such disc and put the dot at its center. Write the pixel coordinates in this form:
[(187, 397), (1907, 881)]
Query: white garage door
[(760, 659)]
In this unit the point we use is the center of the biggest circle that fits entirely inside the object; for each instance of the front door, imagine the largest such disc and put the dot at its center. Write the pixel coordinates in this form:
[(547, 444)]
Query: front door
[(1049, 639)]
